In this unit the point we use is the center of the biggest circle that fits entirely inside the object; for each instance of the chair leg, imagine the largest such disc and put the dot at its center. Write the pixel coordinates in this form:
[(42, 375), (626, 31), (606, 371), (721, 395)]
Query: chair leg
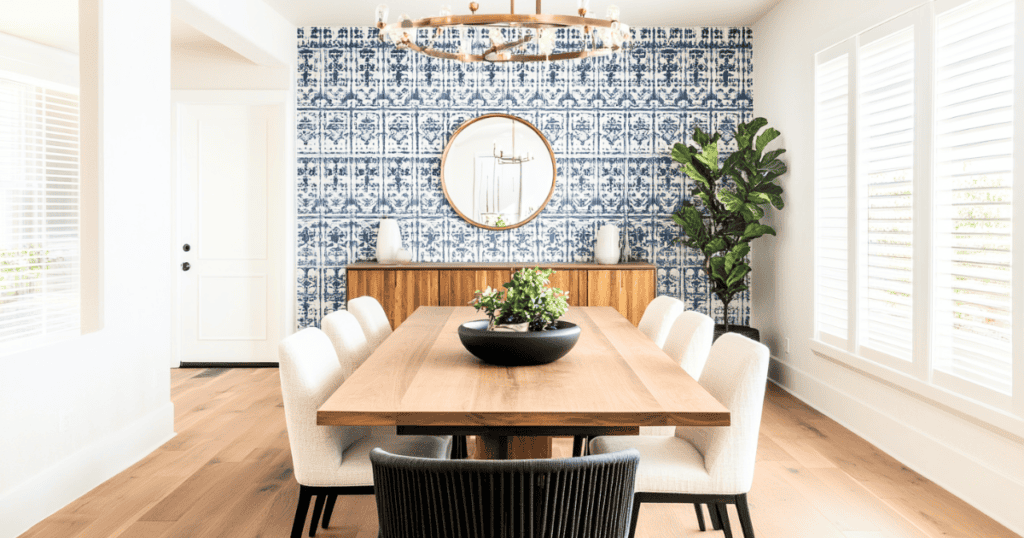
[(700, 516), (300, 511), (579, 446), (318, 509), (635, 516), (716, 519), (328, 510), (744, 512), (723, 513)]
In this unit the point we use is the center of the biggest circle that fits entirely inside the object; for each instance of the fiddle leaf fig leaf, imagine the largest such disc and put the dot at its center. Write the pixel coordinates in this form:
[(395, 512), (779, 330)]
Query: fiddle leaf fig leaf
[(718, 269), (736, 256), (731, 201), (773, 154), (751, 212), (681, 153), (695, 175), (714, 246), (709, 156), (760, 197), (755, 230), (737, 274), (766, 137)]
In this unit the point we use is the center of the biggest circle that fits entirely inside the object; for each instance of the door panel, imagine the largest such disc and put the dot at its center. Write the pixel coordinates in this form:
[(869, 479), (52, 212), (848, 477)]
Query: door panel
[(629, 292), (229, 160), (573, 281), (459, 286), (413, 290)]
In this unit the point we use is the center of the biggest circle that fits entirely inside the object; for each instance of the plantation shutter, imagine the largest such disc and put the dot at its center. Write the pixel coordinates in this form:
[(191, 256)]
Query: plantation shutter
[(39, 217), (886, 118), (973, 189), (831, 182)]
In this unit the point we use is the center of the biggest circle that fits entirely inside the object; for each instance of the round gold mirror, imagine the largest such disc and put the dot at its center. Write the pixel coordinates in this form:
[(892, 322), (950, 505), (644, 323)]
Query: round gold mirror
[(498, 171)]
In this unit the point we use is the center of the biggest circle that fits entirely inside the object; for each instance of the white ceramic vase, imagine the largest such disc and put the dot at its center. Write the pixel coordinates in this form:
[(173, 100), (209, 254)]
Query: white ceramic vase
[(389, 241), (606, 250)]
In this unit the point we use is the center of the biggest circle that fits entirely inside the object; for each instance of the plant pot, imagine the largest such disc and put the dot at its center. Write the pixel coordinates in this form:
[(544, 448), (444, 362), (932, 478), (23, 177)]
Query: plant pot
[(749, 332), (504, 348)]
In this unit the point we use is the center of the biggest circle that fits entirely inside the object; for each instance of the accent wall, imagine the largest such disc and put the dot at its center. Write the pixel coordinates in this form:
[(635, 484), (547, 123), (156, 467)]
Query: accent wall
[(372, 123)]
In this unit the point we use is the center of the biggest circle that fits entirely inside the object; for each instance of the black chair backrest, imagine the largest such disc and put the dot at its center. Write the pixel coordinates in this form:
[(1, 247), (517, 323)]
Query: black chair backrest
[(588, 497)]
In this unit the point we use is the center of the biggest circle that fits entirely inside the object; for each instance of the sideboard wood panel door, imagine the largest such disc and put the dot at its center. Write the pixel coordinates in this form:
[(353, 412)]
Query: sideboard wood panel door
[(573, 281), (413, 289), (629, 292), (457, 287), (377, 284)]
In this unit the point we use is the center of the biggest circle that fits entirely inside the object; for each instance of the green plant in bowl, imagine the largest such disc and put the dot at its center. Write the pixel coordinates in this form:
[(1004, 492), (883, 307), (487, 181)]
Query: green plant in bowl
[(528, 298)]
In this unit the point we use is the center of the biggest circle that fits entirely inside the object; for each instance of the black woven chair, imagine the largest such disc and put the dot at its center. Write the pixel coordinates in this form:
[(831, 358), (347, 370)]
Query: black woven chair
[(587, 497)]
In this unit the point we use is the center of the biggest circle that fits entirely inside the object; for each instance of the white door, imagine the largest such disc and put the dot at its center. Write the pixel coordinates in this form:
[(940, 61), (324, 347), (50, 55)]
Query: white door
[(230, 160)]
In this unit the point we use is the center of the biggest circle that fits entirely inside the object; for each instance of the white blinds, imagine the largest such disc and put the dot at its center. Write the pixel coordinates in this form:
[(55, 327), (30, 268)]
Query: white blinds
[(39, 247), (886, 147), (831, 128), (973, 187)]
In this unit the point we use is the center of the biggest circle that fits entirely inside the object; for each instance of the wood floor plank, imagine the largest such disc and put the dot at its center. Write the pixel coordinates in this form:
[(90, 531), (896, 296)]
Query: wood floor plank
[(228, 474)]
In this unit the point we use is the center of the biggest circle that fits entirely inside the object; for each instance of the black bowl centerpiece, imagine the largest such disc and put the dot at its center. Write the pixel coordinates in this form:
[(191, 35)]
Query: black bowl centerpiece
[(522, 326)]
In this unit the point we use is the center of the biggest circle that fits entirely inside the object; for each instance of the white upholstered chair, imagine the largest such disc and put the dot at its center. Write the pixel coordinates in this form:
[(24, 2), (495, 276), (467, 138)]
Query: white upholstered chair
[(688, 343), (372, 318), (659, 316), (349, 340), (713, 466), (331, 460)]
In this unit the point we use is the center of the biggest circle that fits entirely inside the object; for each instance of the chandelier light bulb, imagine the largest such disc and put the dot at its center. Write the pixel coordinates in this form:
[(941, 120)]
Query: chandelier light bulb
[(446, 11), (465, 45), (382, 14), (583, 6), (403, 18), (497, 37), (612, 13)]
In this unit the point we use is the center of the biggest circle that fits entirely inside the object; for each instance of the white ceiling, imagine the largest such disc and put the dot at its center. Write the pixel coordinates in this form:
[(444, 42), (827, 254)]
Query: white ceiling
[(55, 22), (634, 12)]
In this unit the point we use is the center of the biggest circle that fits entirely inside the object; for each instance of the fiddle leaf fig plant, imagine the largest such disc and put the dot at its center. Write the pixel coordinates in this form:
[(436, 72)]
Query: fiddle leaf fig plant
[(528, 298), (728, 201)]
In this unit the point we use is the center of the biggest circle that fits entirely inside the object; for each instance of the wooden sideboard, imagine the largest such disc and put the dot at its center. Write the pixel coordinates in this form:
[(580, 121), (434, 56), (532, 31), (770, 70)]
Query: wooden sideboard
[(400, 289)]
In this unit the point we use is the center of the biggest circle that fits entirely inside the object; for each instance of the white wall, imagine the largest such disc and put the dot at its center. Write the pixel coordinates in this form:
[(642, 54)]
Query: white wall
[(983, 465), (75, 413), (218, 68)]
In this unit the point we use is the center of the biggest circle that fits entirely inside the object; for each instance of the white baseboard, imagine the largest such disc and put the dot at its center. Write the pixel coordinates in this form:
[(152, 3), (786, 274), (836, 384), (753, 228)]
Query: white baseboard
[(968, 477), (37, 498)]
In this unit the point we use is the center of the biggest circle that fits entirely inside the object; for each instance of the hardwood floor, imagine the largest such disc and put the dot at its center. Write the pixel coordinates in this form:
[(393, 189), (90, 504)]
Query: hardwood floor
[(228, 473)]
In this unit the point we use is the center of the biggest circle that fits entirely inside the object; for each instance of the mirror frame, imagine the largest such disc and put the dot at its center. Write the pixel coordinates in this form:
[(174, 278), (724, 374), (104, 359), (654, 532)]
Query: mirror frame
[(554, 170)]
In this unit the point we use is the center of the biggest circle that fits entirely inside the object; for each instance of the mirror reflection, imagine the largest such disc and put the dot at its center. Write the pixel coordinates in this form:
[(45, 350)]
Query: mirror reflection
[(498, 171)]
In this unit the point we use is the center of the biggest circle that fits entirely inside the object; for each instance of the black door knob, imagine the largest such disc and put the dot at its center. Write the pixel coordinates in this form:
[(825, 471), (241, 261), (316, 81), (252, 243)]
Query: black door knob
[(185, 266), (186, 247)]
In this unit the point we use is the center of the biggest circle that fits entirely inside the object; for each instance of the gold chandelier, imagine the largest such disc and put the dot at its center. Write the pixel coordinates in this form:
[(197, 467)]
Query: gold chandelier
[(531, 37)]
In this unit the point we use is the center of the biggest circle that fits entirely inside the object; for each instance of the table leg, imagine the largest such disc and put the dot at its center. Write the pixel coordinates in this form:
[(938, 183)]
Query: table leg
[(498, 447)]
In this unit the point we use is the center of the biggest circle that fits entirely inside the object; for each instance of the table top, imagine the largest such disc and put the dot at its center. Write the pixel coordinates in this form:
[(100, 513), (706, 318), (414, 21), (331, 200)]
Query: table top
[(421, 375)]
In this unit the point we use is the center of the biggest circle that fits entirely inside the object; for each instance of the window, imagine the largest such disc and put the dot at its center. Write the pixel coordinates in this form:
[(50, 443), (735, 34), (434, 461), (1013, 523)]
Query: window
[(831, 194), (973, 187), (886, 105), (39, 245), (915, 126)]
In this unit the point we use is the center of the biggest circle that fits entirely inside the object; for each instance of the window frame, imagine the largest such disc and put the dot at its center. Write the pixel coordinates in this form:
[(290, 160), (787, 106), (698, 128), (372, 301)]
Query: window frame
[(919, 376), (29, 343)]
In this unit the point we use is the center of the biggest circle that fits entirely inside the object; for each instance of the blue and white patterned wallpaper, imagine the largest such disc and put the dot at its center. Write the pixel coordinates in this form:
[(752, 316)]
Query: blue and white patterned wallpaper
[(372, 122)]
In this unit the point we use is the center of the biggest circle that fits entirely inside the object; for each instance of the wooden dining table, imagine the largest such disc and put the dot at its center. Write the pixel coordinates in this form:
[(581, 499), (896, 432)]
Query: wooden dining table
[(424, 382)]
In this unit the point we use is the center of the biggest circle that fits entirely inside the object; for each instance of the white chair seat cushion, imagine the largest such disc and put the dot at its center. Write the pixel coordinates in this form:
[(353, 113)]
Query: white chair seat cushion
[(668, 464), (657, 430), (355, 464)]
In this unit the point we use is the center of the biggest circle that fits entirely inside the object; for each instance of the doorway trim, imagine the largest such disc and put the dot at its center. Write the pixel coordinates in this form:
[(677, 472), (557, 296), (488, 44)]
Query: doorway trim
[(285, 188)]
